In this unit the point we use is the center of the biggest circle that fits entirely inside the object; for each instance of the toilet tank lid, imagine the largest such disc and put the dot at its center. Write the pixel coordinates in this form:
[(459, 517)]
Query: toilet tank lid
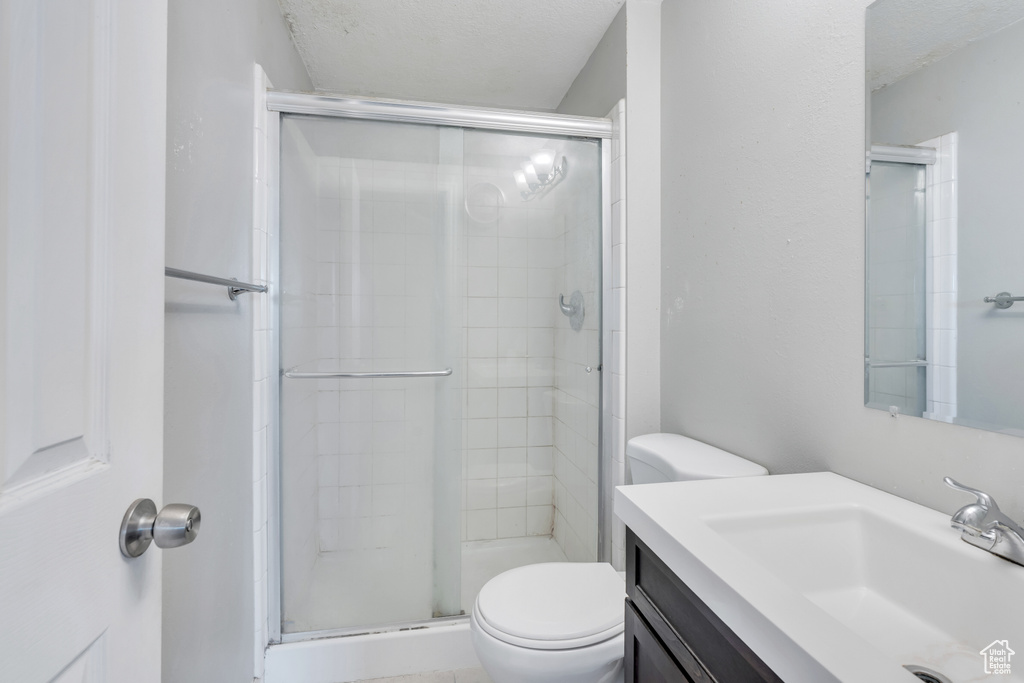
[(681, 458)]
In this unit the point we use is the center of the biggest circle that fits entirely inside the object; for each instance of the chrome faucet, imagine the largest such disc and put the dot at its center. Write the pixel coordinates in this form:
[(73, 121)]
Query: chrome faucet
[(983, 524)]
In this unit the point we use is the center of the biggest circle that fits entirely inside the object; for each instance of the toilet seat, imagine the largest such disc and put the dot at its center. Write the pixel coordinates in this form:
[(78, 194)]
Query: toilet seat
[(553, 606)]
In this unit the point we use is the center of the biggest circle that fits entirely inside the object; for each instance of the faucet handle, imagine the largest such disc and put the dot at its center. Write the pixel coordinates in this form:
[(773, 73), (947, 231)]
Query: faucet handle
[(983, 498)]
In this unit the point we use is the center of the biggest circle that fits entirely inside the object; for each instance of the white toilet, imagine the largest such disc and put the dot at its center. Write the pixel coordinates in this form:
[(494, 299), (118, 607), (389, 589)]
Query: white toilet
[(562, 622)]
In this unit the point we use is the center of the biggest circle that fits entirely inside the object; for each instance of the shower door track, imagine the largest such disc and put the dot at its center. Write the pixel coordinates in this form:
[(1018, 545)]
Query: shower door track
[(398, 111), (319, 104), (372, 630)]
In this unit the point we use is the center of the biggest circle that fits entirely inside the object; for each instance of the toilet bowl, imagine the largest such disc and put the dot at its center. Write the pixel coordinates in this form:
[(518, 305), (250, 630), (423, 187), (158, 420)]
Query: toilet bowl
[(563, 622), (558, 622)]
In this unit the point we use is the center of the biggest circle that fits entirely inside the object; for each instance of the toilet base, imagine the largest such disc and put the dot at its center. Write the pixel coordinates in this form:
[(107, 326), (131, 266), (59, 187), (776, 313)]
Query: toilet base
[(505, 663)]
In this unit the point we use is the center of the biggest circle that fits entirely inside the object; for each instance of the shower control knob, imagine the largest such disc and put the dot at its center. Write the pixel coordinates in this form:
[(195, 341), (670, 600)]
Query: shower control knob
[(176, 525)]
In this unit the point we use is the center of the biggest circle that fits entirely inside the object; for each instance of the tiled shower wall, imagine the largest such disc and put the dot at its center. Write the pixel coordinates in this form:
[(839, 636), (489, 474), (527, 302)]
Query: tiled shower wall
[(577, 381), (896, 283), (531, 408), (298, 347), (941, 268), (513, 255), (376, 270), (613, 456)]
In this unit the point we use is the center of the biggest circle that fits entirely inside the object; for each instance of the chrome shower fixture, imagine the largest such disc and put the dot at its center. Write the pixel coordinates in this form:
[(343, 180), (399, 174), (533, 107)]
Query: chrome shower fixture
[(539, 174)]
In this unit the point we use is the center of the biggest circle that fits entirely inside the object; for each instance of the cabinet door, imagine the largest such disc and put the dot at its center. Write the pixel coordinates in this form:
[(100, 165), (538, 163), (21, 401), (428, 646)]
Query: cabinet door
[(647, 660), (690, 630)]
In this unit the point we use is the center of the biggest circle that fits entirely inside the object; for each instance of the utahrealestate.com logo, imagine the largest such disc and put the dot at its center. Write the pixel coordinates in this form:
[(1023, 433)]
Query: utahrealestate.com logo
[(997, 657)]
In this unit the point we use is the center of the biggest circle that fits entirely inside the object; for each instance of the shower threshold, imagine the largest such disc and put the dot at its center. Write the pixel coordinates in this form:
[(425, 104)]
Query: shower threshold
[(441, 644), (373, 630)]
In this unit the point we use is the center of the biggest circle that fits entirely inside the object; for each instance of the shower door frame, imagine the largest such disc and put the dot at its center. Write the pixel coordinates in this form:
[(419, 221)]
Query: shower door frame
[(399, 111)]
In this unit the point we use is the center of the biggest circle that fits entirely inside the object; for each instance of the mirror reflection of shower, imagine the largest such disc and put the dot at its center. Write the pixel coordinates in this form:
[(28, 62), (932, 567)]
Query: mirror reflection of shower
[(537, 176)]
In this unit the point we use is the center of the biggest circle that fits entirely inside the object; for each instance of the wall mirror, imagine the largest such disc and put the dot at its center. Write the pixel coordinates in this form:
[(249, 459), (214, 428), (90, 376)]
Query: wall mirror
[(944, 305)]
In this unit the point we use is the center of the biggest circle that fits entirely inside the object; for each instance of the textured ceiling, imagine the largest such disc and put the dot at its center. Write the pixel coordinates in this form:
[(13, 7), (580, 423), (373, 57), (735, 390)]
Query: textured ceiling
[(521, 54), (905, 35)]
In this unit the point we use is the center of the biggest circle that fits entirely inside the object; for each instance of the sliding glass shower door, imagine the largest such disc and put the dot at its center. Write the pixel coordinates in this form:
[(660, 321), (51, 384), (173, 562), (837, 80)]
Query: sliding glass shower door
[(371, 430), (439, 407)]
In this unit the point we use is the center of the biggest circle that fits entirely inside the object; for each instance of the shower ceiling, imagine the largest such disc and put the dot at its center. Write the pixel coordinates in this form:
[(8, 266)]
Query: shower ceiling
[(521, 54)]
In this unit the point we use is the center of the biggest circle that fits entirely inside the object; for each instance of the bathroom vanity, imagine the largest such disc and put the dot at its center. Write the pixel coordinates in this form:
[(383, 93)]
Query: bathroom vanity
[(807, 578), (671, 635)]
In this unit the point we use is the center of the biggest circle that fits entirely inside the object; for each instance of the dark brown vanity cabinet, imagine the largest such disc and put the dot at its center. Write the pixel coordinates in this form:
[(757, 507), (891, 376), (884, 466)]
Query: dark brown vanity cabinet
[(672, 636)]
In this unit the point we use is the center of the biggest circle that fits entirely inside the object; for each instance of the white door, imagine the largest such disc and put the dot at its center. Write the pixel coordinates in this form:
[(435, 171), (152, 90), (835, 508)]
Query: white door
[(82, 140)]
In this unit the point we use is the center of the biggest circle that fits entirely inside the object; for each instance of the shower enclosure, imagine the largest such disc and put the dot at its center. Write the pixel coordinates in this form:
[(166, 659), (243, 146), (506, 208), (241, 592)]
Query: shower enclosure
[(895, 350), (439, 319)]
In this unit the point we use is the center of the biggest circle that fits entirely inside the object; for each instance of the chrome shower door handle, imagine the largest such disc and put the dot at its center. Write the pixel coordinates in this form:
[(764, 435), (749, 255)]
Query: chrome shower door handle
[(174, 526)]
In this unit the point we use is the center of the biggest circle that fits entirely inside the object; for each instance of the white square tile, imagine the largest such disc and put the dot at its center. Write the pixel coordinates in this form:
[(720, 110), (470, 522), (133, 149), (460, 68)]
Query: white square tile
[(482, 463), (482, 433), (512, 402), (482, 402), (327, 439), (513, 222), (355, 469), (543, 283), (539, 520), (513, 252), (388, 437), (482, 312), (511, 523), (512, 462), (540, 461), (482, 282), (513, 313), (481, 494), (481, 525), (355, 501), (512, 432), (512, 282), (482, 250), (355, 406), (482, 342), (541, 342), (327, 502), (539, 401), (482, 372), (539, 491), (328, 468), (541, 311), (539, 431), (513, 372), (512, 341)]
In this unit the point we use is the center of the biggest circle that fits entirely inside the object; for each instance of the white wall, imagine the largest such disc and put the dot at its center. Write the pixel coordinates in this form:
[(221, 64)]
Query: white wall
[(602, 80), (762, 253), (977, 92), (643, 215), (208, 607)]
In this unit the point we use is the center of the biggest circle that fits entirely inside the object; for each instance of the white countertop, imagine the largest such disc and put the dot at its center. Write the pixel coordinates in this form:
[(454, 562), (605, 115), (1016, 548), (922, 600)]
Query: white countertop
[(729, 541)]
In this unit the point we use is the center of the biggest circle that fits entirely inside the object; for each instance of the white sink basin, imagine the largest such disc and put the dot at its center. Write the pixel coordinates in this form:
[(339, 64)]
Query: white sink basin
[(829, 579)]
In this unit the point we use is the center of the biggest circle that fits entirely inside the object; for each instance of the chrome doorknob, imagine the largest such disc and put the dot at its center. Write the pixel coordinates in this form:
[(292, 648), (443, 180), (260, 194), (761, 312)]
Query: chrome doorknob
[(176, 525)]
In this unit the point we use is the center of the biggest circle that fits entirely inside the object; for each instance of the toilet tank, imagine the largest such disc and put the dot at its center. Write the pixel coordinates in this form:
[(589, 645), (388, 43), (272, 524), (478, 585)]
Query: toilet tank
[(672, 457)]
